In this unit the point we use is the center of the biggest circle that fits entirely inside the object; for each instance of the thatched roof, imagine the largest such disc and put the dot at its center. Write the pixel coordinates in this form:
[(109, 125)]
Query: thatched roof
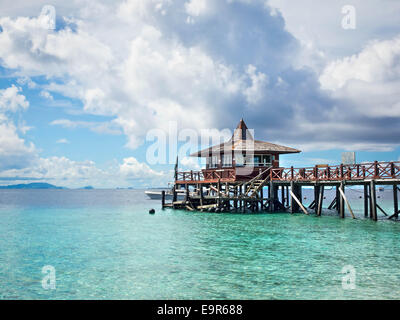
[(242, 140)]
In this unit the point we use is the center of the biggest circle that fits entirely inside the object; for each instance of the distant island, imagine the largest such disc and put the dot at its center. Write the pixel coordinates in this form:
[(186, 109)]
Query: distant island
[(35, 185)]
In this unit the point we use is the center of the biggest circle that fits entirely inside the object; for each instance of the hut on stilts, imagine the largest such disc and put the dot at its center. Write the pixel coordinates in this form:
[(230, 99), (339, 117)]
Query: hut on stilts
[(243, 175)]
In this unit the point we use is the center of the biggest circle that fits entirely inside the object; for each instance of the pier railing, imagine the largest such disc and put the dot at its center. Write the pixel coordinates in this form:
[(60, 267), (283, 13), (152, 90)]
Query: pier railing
[(373, 170), (207, 175)]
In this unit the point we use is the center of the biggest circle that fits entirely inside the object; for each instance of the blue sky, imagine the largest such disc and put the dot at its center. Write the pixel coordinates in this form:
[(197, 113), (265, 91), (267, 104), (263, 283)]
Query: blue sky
[(77, 102)]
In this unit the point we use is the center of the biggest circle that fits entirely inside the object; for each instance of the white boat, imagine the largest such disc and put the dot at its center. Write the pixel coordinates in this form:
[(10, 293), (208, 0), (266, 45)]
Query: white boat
[(157, 194)]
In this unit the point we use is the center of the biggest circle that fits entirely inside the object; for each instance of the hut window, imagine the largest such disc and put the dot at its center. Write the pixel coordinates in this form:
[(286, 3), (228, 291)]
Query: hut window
[(257, 160), (213, 161), (239, 160), (227, 160), (267, 159)]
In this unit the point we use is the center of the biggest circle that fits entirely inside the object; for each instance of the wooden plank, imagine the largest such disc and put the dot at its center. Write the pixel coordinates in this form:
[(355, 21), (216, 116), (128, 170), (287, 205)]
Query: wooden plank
[(298, 202), (207, 206), (383, 211), (347, 202)]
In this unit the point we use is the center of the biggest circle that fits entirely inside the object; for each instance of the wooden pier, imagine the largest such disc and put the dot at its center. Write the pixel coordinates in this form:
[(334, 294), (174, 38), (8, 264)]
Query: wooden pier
[(222, 186)]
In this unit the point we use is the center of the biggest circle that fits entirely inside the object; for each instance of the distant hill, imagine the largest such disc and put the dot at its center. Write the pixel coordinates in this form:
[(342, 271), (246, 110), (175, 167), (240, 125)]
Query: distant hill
[(35, 185), (87, 188)]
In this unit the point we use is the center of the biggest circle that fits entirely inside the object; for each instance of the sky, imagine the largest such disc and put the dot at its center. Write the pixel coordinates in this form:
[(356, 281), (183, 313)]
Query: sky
[(81, 99)]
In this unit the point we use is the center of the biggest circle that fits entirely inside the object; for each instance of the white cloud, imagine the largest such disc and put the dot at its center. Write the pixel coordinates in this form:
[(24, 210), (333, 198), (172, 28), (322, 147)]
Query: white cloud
[(138, 62), (369, 80), (259, 82), (133, 169), (196, 8), (110, 127), (14, 151), (11, 100), (317, 25), (190, 163), (62, 141), (148, 78), (65, 172), (46, 94), (377, 62)]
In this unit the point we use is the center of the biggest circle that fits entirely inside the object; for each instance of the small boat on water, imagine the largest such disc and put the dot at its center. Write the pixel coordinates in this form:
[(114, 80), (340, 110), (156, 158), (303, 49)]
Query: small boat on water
[(381, 189), (156, 194)]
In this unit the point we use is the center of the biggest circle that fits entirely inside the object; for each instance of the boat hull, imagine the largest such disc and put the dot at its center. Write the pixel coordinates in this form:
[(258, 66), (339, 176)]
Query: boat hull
[(157, 195)]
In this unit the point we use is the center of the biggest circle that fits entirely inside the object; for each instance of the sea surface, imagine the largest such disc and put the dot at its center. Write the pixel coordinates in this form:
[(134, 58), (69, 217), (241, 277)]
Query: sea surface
[(103, 244)]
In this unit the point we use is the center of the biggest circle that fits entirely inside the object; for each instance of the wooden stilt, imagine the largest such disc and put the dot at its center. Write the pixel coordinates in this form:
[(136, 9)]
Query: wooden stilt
[(201, 195), (287, 196), (395, 201), (341, 201), (374, 214), (272, 197), (320, 200), (187, 193), (163, 199), (292, 201), (346, 201), (298, 202), (235, 194), (316, 198), (366, 200), (219, 194), (337, 199)]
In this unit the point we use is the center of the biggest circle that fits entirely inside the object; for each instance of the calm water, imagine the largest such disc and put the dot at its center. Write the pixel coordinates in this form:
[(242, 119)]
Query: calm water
[(104, 245)]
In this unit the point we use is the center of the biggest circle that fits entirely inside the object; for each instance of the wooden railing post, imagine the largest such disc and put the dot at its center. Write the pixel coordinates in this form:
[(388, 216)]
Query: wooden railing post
[(291, 172), (341, 171), (392, 171), (376, 169)]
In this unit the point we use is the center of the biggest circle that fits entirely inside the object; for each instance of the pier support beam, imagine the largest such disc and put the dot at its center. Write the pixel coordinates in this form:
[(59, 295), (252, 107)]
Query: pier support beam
[(366, 200), (296, 191), (201, 196), (395, 201), (287, 196), (341, 201), (283, 194), (317, 189), (347, 202), (337, 204), (320, 200), (272, 197), (163, 199), (372, 192)]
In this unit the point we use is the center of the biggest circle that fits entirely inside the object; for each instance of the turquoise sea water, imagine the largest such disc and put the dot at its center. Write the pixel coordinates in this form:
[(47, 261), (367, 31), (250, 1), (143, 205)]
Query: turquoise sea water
[(103, 244)]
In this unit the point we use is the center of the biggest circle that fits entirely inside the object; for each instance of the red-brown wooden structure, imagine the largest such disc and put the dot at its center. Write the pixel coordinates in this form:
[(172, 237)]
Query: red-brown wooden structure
[(237, 172)]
